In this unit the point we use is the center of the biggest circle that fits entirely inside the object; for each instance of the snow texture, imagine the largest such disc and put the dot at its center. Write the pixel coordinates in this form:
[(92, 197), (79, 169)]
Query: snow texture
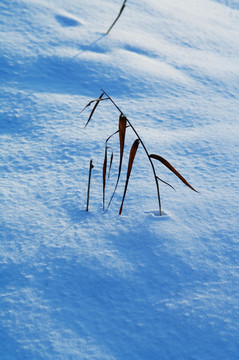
[(87, 285)]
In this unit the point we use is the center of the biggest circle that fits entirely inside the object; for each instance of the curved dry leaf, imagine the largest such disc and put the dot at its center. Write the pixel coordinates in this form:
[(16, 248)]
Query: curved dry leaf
[(111, 136), (165, 183), (94, 108), (170, 167), (122, 130), (91, 102), (116, 132), (132, 154)]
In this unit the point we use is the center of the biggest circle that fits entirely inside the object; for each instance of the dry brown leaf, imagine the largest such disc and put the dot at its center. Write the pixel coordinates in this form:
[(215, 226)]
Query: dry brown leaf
[(170, 167), (122, 130), (132, 154), (94, 108)]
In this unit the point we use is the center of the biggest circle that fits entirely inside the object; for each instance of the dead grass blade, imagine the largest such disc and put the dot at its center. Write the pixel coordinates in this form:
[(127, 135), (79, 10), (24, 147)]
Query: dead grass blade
[(117, 18), (104, 176), (111, 161), (132, 154), (94, 108), (122, 131), (165, 183), (105, 169), (91, 102), (116, 132), (170, 167)]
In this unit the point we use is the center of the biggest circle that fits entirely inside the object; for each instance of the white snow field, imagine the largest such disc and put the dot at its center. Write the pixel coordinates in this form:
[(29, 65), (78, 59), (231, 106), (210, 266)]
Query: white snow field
[(86, 285)]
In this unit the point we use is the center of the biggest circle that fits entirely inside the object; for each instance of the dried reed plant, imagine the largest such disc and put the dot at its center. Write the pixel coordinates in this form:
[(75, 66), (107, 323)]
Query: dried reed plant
[(124, 123)]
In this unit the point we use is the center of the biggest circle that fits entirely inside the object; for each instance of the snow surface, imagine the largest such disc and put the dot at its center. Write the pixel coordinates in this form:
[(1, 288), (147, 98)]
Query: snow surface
[(77, 285)]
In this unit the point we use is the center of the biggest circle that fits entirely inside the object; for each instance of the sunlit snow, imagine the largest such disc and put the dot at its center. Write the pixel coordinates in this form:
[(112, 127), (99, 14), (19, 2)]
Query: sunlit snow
[(87, 285)]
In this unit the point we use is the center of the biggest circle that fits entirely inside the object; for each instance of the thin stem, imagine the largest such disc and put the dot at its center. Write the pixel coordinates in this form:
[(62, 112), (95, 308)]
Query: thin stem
[(145, 149), (112, 101), (88, 191)]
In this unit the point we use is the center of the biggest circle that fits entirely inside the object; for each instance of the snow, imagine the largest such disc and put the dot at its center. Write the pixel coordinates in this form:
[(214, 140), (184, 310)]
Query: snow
[(88, 285)]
